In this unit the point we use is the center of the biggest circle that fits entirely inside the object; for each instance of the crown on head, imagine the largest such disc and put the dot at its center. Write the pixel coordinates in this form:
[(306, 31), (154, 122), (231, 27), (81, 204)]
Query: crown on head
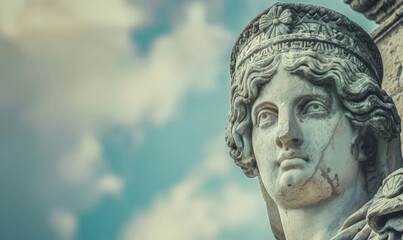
[(286, 27)]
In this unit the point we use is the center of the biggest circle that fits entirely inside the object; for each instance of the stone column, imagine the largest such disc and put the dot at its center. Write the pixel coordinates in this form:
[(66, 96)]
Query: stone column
[(389, 38)]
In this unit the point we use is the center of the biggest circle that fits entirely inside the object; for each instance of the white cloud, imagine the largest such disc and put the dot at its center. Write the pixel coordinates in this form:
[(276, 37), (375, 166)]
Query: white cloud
[(94, 77), (84, 162), (110, 184), (191, 211), (24, 18), (70, 70), (190, 58), (64, 222)]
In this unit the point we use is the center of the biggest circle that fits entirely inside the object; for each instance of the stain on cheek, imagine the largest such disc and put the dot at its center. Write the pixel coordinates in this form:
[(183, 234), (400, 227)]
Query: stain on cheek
[(334, 183)]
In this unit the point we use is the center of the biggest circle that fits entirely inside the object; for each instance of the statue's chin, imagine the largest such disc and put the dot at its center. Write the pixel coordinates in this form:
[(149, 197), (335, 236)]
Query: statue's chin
[(294, 178), (302, 188)]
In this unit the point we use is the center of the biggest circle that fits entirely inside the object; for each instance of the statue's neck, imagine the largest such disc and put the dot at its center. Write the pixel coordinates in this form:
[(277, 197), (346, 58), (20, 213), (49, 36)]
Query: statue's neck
[(323, 220)]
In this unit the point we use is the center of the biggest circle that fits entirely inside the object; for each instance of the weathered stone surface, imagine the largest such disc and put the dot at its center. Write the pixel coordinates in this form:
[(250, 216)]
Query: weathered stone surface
[(309, 118), (389, 38), (377, 10)]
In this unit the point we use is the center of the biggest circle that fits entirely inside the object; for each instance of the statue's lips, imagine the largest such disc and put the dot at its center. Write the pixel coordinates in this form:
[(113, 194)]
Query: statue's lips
[(292, 161)]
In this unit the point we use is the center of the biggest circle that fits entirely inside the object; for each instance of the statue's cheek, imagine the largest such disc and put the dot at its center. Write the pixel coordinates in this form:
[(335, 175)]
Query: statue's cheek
[(318, 134)]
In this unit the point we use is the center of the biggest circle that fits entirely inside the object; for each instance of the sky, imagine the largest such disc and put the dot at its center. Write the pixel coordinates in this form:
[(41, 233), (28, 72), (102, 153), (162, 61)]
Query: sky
[(112, 116)]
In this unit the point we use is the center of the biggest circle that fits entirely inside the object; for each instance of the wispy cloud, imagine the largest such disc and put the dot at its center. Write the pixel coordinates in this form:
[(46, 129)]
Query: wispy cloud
[(191, 210), (24, 19), (64, 222), (69, 69)]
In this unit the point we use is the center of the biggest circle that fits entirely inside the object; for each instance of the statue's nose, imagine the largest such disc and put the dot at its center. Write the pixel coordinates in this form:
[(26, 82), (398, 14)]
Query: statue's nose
[(288, 133)]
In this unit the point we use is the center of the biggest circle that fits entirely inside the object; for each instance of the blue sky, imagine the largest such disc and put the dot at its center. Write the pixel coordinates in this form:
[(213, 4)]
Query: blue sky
[(112, 116)]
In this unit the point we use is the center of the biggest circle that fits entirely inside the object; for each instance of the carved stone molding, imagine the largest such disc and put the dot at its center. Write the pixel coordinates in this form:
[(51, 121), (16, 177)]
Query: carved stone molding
[(388, 24), (377, 10)]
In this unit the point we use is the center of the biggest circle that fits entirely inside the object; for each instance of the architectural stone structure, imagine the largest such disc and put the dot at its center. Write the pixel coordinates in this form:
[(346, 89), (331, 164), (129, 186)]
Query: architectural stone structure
[(309, 119), (389, 38)]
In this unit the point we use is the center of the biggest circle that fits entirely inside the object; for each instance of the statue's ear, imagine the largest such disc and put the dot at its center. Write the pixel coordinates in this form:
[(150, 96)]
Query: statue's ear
[(364, 144)]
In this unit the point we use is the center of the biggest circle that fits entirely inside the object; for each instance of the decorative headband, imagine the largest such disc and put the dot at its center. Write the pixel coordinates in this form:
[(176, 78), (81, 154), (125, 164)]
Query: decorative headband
[(296, 27)]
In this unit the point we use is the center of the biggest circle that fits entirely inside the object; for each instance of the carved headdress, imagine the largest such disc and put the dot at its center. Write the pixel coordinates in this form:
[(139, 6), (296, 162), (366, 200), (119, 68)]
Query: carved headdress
[(303, 28), (313, 30), (300, 27)]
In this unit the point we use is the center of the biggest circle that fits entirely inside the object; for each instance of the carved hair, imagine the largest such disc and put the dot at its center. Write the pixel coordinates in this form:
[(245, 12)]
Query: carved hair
[(329, 50), (365, 103)]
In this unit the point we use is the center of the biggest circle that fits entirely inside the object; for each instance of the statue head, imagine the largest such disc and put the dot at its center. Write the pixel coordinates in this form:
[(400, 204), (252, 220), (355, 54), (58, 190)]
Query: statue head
[(307, 80)]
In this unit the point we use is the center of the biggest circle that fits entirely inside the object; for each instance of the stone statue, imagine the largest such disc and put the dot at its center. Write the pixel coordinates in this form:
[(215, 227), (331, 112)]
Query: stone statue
[(309, 119)]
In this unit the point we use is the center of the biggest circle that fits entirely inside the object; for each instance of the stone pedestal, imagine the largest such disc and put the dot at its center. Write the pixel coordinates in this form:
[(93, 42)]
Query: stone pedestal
[(389, 38)]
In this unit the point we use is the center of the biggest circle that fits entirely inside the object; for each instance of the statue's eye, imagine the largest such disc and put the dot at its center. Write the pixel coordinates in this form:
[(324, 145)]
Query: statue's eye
[(266, 118), (314, 109)]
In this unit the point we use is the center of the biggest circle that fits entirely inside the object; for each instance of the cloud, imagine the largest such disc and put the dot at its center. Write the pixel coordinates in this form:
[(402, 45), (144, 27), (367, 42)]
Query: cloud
[(189, 58), (110, 184), (64, 222), (94, 76), (23, 18), (69, 70), (192, 210)]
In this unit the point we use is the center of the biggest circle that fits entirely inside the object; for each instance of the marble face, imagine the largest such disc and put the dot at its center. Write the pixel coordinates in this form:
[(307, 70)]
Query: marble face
[(302, 141)]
